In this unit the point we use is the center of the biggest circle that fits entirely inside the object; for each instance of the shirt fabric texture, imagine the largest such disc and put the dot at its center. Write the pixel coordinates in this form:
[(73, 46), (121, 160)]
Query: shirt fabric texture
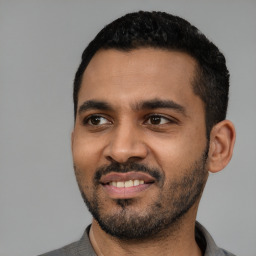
[(83, 247)]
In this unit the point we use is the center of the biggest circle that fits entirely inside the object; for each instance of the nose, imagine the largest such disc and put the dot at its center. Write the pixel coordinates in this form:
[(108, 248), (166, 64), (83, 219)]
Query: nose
[(125, 143)]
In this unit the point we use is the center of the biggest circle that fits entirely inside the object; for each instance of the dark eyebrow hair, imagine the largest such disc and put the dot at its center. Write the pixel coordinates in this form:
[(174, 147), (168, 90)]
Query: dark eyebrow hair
[(94, 104), (158, 103), (148, 104)]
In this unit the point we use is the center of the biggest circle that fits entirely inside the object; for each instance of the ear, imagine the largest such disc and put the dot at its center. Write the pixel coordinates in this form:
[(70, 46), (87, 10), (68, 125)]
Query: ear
[(222, 140)]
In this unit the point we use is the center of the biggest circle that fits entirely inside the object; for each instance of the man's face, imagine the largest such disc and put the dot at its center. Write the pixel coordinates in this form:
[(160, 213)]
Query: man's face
[(139, 142)]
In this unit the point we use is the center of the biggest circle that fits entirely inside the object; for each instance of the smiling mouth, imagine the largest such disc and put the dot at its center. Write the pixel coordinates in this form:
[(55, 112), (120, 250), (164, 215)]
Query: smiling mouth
[(126, 185), (126, 180)]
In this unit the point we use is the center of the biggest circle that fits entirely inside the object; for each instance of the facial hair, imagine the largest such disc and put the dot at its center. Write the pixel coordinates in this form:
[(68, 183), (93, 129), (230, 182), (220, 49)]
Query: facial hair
[(165, 211)]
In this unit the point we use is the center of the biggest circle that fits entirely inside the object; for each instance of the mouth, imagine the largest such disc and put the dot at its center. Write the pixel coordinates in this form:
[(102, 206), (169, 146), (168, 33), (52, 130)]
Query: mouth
[(126, 185)]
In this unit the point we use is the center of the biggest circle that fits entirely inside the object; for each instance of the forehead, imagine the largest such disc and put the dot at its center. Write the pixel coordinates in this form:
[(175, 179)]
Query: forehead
[(114, 75)]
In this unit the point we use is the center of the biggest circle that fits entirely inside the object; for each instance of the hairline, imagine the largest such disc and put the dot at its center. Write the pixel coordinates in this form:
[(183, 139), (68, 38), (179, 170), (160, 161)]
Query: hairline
[(194, 81)]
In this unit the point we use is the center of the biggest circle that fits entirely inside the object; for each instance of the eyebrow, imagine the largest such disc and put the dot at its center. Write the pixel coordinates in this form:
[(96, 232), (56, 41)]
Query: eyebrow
[(143, 105), (94, 104), (157, 103)]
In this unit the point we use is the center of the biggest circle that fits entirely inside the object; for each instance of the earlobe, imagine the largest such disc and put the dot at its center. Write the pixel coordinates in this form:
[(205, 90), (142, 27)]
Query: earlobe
[(222, 140)]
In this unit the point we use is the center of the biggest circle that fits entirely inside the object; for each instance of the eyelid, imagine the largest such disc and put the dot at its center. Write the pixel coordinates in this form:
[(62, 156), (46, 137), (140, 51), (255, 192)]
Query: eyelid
[(170, 119), (86, 119)]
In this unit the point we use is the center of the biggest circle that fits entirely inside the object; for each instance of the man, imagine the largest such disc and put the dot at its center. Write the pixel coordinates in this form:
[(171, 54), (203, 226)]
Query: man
[(150, 101)]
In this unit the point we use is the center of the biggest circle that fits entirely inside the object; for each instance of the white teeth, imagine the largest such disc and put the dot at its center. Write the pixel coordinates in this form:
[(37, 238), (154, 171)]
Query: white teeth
[(126, 184), (136, 182), (120, 184)]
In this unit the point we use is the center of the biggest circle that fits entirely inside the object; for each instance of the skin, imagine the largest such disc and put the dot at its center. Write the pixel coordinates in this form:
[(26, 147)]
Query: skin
[(126, 133)]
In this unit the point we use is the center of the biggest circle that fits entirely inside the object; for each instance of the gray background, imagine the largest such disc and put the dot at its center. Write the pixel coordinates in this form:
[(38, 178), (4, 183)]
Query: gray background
[(40, 47)]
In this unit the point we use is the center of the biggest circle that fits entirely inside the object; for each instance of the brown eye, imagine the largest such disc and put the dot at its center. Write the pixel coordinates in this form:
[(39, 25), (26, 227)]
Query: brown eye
[(157, 120), (95, 120)]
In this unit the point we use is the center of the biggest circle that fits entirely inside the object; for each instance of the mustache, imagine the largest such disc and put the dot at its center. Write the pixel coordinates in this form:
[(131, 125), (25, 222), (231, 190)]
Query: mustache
[(127, 167)]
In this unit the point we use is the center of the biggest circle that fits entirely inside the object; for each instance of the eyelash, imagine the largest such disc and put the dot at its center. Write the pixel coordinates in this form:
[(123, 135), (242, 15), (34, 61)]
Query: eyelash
[(89, 119), (161, 117), (167, 120)]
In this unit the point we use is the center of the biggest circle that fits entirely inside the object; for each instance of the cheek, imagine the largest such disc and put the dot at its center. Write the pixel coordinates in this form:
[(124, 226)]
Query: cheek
[(178, 153), (85, 155)]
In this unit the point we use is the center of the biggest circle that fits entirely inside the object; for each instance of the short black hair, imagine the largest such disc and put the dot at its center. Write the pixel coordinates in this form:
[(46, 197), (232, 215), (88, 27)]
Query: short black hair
[(161, 30)]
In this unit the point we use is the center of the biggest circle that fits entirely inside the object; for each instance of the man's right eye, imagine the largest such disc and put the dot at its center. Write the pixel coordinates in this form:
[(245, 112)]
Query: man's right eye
[(96, 120)]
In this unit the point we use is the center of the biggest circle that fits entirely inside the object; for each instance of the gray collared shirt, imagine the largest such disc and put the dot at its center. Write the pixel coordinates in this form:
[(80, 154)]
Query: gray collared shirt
[(83, 247)]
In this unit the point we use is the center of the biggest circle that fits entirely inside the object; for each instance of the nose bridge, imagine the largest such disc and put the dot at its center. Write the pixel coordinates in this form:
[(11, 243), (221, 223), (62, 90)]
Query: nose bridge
[(126, 143)]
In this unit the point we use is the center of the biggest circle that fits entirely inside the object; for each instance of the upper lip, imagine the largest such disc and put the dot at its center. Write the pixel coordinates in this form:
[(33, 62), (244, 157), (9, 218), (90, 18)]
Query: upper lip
[(113, 176)]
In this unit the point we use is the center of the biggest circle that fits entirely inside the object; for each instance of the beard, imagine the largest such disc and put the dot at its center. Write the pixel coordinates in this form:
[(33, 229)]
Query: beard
[(174, 200)]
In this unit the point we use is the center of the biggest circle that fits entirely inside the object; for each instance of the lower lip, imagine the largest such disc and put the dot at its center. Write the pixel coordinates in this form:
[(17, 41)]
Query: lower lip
[(125, 193)]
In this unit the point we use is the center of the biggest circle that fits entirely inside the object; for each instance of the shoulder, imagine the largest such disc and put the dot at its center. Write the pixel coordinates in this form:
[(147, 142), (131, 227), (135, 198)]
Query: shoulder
[(210, 248), (79, 248), (226, 253), (70, 249)]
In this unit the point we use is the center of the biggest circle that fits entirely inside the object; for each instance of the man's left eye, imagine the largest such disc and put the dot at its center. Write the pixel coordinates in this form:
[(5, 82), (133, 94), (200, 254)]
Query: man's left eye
[(157, 120)]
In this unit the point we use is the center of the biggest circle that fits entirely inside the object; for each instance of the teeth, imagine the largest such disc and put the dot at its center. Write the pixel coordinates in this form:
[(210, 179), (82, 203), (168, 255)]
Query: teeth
[(120, 184), (136, 182), (126, 184)]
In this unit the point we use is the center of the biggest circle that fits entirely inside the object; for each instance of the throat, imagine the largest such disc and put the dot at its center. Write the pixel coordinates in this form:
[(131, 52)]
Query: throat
[(94, 243)]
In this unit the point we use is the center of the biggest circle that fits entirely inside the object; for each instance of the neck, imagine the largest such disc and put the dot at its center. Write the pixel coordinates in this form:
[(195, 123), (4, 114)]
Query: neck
[(176, 241)]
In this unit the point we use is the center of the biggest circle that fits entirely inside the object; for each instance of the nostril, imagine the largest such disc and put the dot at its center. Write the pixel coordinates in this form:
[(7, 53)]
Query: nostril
[(130, 159), (124, 150), (110, 159)]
